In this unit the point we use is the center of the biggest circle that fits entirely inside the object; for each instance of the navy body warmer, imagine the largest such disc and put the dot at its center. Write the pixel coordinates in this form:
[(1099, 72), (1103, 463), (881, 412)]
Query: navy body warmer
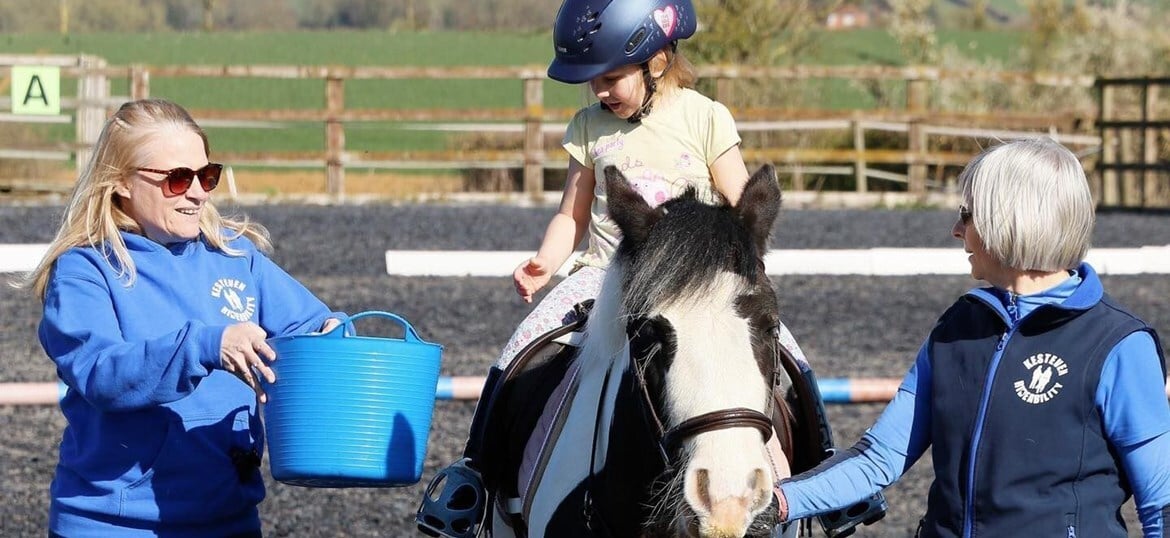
[(1042, 465)]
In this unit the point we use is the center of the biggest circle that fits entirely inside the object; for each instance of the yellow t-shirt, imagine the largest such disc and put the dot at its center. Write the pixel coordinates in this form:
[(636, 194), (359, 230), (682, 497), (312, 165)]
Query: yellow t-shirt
[(670, 149)]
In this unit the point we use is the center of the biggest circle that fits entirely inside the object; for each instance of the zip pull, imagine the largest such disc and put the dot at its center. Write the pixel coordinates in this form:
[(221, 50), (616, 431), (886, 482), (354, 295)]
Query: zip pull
[(1013, 312), (1072, 531)]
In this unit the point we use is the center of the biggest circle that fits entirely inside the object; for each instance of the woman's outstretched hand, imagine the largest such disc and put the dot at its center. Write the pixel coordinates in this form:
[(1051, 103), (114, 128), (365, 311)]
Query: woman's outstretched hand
[(244, 352), (530, 277)]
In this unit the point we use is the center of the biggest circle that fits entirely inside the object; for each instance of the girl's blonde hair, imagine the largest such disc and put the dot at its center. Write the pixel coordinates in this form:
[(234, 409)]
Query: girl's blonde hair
[(94, 215), (679, 72)]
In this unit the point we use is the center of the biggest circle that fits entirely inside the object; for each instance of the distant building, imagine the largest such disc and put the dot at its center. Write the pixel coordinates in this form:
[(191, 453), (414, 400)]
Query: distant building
[(846, 17)]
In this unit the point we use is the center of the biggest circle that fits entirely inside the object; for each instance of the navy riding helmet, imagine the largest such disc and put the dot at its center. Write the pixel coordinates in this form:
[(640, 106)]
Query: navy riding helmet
[(591, 37)]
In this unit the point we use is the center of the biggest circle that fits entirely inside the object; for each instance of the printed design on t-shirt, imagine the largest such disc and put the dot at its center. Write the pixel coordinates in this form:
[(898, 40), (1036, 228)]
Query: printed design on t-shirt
[(653, 187), (604, 147), (629, 163), (684, 161), (237, 306), (1042, 385)]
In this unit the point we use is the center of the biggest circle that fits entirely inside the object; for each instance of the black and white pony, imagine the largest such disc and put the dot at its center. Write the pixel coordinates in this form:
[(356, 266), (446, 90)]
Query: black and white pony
[(657, 424)]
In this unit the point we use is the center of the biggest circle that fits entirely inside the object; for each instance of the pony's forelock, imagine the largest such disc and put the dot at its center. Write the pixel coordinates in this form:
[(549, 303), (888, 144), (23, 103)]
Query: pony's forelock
[(677, 264)]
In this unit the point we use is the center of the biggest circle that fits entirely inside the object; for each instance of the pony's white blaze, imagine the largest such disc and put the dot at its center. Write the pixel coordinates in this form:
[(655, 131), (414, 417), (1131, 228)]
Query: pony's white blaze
[(728, 479)]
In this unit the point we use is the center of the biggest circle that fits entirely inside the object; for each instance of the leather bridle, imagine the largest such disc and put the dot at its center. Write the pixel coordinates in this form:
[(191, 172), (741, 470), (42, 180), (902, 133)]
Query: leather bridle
[(736, 417), (670, 440)]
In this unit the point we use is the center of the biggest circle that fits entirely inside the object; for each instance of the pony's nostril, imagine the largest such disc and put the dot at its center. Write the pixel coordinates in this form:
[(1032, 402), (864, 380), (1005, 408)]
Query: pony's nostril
[(701, 490), (758, 484), (756, 479)]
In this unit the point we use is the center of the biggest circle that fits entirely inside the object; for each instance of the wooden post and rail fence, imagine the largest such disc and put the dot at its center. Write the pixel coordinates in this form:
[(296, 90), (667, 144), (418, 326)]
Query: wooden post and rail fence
[(1105, 137)]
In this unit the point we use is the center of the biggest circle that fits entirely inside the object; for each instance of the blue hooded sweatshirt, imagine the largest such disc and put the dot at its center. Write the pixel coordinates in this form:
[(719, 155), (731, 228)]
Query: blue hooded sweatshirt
[(156, 428)]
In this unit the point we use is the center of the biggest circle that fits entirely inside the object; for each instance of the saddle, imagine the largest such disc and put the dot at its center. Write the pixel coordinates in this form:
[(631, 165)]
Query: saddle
[(522, 409)]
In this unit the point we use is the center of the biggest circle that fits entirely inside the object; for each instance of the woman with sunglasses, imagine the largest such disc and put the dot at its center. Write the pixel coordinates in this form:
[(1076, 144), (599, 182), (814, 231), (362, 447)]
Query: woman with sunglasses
[(156, 311), (1041, 398)]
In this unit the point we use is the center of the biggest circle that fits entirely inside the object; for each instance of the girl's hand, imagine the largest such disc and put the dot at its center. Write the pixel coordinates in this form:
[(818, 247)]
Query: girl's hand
[(244, 352), (530, 276)]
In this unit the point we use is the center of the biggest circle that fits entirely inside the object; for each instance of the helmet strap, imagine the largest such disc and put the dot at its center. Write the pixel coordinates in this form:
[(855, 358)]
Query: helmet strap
[(651, 84)]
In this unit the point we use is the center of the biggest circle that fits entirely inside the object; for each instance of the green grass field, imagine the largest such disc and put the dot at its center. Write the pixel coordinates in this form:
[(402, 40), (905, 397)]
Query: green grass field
[(865, 47)]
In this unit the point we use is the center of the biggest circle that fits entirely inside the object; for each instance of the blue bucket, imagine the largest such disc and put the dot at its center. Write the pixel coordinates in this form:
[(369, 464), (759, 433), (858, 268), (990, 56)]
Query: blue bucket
[(351, 411)]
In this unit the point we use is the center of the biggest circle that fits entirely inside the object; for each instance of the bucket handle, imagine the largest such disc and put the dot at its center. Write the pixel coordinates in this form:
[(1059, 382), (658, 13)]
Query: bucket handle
[(408, 333)]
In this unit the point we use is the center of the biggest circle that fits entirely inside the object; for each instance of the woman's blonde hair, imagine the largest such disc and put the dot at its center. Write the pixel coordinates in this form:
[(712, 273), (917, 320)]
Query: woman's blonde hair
[(94, 215)]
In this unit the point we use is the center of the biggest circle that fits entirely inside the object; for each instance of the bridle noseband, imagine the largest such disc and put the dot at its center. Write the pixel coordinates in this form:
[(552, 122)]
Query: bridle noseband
[(736, 417)]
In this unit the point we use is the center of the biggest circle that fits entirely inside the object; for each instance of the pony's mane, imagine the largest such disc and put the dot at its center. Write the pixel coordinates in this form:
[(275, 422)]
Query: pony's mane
[(683, 253)]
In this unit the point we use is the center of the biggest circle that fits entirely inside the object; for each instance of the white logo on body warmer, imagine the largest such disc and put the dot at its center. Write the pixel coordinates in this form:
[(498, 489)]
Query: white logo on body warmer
[(237, 307), (1042, 385)]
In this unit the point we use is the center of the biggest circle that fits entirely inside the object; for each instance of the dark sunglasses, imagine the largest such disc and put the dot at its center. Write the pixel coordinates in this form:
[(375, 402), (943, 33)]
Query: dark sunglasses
[(178, 180), (964, 214)]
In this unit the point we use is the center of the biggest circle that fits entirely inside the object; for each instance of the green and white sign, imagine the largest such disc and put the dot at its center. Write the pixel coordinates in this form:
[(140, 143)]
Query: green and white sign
[(36, 90)]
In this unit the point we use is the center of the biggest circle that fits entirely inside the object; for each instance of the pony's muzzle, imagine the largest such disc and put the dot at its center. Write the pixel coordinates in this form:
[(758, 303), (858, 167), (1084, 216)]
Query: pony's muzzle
[(725, 508)]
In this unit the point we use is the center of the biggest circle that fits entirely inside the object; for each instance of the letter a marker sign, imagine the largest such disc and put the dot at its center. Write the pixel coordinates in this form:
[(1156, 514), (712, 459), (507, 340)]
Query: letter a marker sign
[(36, 90)]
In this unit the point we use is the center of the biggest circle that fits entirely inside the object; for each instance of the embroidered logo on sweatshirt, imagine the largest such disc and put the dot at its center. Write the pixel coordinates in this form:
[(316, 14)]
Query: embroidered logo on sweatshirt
[(1043, 384), (236, 305)]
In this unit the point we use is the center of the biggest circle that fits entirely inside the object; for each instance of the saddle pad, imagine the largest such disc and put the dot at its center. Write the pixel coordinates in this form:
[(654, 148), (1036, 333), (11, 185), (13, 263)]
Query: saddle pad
[(547, 430), (567, 461)]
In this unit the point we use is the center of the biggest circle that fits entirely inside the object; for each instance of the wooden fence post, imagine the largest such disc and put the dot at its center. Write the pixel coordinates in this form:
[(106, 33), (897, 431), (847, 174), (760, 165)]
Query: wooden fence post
[(92, 91), (533, 135), (916, 105), (139, 82), (859, 168), (1131, 192), (1154, 194), (798, 180), (723, 90), (1109, 186), (334, 136)]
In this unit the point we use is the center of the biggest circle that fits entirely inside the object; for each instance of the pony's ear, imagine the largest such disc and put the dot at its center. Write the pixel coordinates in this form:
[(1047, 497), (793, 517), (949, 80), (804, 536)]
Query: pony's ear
[(627, 208), (759, 205)]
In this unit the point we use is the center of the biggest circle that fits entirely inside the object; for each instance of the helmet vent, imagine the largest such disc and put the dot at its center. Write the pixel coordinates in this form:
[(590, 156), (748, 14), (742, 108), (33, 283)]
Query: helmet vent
[(636, 40), (583, 35)]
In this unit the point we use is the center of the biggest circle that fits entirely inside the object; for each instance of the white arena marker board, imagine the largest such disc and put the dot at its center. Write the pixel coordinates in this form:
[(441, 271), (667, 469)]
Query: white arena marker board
[(17, 258), (457, 262), (21, 258)]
